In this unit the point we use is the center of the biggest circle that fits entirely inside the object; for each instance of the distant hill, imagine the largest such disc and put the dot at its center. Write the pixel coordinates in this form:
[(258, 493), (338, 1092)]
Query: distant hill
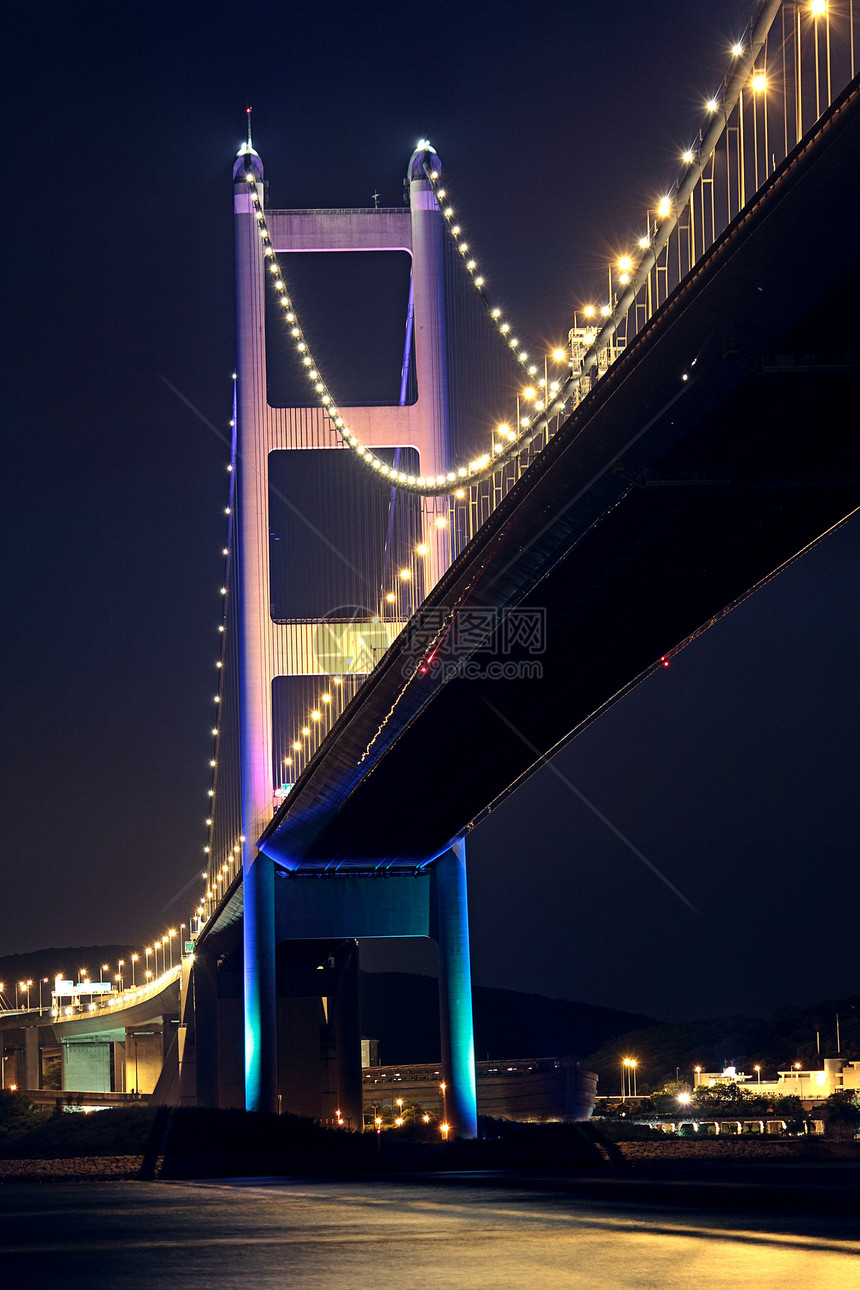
[(401, 1010), (794, 1034), (39, 964)]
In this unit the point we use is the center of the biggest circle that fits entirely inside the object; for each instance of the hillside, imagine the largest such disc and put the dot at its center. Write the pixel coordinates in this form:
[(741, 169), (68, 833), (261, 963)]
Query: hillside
[(803, 1035), (401, 1010), (40, 964)]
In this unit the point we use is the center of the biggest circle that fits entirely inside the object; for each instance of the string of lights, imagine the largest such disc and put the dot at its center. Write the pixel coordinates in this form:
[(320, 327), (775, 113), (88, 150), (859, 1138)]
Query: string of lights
[(638, 283), (639, 280), (540, 402)]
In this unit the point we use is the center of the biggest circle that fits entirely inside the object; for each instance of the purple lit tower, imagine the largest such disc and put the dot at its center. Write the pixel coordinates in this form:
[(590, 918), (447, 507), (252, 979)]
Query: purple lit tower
[(271, 649)]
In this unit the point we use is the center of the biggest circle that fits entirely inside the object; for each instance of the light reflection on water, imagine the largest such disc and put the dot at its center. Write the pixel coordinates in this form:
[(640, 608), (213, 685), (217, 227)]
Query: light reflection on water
[(339, 1235)]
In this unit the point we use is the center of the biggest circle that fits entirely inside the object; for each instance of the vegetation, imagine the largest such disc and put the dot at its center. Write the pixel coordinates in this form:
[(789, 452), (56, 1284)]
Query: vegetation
[(117, 1131), (732, 1100), (16, 1116), (841, 1114)]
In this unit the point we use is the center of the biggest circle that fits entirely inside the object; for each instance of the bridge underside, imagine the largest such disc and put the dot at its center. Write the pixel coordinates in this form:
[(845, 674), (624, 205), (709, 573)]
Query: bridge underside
[(714, 451)]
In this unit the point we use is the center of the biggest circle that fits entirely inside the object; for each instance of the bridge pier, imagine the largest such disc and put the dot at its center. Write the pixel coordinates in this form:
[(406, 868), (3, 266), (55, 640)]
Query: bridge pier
[(319, 1033), (345, 1025), (88, 1063), (450, 929), (32, 1058), (261, 1011), (314, 910), (204, 1040), (146, 1048)]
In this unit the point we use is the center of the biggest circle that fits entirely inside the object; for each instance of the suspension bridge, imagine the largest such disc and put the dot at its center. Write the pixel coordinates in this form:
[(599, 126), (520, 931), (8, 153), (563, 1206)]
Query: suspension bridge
[(425, 598)]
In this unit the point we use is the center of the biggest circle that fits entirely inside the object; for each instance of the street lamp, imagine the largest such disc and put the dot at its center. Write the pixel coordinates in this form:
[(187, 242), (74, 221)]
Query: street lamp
[(171, 934), (697, 1070), (629, 1069), (757, 1070), (444, 1087), (105, 967), (118, 977), (43, 980), (134, 959)]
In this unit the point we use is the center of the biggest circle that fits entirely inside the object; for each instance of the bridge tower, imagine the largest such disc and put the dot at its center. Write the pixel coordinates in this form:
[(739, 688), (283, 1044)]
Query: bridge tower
[(270, 649)]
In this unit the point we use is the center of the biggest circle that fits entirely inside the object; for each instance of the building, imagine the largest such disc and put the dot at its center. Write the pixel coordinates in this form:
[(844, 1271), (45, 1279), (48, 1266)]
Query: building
[(527, 1088), (837, 1075)]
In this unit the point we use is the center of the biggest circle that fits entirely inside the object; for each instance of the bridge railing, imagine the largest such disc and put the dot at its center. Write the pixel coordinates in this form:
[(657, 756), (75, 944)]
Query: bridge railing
[(791, 64), (785, 71)]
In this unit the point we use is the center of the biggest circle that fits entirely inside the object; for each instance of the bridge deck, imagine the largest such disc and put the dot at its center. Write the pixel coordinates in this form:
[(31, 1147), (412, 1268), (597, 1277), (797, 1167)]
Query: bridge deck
[(699, 466)]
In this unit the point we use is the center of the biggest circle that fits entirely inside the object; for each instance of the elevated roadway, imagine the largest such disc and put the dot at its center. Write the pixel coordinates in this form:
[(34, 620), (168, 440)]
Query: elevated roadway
[(116, 1049), (717, 449)]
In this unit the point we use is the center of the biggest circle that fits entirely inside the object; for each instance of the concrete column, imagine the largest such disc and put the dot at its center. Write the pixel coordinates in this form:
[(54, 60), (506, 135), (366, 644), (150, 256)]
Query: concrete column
[(87, 1065), (187, 1050), (205, 993), (451, 931), (144, 1058), (119, 1071), (32, 1063), (347, 1033), (261, 1016)]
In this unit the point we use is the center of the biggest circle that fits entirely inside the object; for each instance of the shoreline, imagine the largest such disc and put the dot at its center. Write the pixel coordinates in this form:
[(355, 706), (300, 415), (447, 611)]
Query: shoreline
[(618, 1160)]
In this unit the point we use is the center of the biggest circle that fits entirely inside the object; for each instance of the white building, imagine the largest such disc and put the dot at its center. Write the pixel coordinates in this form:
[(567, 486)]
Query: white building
[(837, 1074)]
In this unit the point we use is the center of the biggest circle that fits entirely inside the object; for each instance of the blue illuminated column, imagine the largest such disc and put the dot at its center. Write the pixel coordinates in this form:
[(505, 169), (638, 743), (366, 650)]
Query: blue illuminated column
[(260, 988), (451, 931)]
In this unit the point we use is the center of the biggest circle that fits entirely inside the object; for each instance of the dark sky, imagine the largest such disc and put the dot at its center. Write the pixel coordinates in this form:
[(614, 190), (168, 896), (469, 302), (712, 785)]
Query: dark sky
[(734, 772)]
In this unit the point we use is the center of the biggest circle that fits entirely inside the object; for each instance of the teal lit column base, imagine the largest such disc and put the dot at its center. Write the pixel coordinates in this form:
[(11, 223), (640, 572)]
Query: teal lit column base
[(450, 920), (261, 1018)]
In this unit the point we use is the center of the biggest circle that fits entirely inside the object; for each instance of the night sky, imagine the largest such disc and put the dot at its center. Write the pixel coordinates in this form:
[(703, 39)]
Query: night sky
[(733, 772)]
